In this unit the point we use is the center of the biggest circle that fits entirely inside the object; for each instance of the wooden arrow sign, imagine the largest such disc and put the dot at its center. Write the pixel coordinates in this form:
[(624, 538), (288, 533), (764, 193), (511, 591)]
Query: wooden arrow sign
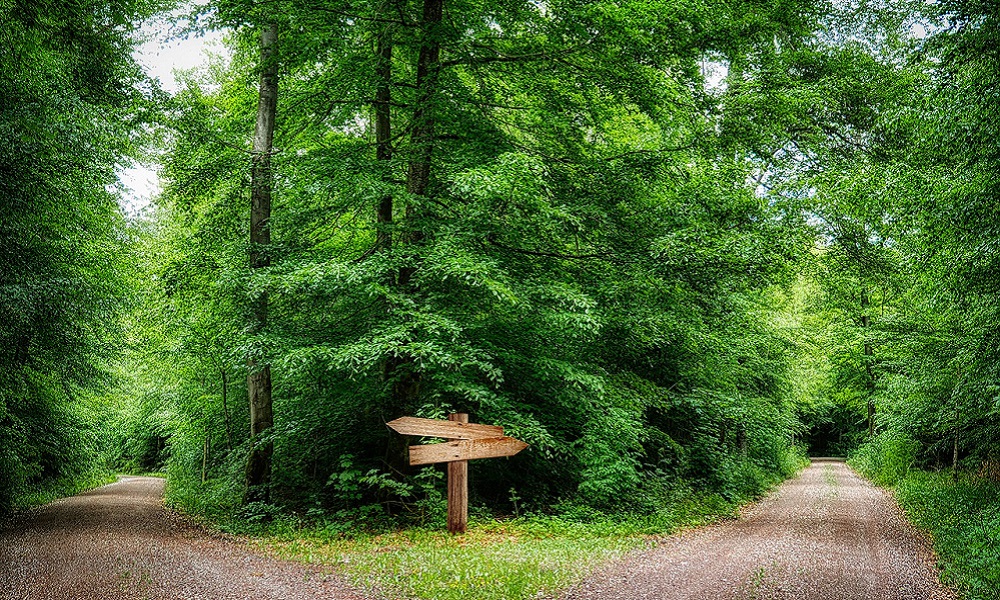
[(451, 430), (465, 450), (472, 441)]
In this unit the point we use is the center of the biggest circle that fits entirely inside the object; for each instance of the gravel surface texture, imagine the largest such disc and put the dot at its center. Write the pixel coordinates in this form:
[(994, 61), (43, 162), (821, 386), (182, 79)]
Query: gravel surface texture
[(119, 542), (825, 535)]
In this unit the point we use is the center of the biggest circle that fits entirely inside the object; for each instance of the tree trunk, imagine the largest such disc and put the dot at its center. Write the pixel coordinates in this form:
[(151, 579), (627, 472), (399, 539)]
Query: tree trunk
[(422, 133), (383, 133), (954, 447), (258, 472), (401, 371), (869, 351), (225, 409), (954, 454), (406, 382), (204, 460)]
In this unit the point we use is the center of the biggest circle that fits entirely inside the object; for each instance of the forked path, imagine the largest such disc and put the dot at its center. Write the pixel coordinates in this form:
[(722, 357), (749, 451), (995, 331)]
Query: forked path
[(118, 542), (825, 535)]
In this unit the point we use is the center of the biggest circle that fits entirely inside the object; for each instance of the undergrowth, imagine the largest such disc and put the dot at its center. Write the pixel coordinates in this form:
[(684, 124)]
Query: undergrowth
[(963, 516), (514, 558), (52, 490), (960, 510)]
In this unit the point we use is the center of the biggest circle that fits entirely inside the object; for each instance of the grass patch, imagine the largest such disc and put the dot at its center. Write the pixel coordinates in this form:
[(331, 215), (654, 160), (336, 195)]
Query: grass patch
[(963, 517), (491, 562), (528, 557)]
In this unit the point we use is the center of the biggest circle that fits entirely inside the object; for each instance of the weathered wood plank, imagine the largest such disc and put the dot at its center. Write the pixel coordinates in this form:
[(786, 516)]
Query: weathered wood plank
[(452, 430), (465, 450), (458, 487)]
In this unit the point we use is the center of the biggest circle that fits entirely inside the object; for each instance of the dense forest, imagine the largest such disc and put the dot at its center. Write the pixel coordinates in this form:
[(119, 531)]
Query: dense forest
[(675, 246)]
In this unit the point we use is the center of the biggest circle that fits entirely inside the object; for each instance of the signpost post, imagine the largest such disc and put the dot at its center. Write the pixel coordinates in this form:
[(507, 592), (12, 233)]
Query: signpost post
[(467, 441), (458, 486)]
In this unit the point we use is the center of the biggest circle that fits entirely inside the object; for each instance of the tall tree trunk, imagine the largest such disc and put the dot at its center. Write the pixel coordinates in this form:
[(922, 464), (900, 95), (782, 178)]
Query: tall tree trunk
[(225, 409), (383, 132), (422, 133), (406, 381), (258, 472), (869, 354), (954, 446), (400, 370), (396, 445)]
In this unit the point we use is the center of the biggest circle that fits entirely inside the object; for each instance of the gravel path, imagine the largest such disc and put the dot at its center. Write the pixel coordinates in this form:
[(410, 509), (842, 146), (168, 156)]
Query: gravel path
[(118, 542), (825, 535)]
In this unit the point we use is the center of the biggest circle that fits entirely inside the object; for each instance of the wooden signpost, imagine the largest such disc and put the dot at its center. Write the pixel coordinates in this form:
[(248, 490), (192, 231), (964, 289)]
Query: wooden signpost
[(470, 441)]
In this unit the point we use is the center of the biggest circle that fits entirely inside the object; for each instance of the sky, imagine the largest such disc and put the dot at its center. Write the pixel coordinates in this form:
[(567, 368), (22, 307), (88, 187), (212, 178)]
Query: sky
[(160, 56)]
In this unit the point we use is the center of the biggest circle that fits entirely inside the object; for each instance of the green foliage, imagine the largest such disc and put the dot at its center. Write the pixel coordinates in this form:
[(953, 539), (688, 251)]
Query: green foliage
[(887, 458), (671, 285), (70, 113), (963, 516), (589, 265)]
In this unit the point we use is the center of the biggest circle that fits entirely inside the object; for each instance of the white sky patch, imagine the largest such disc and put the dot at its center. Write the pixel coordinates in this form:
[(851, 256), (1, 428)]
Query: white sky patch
[(161, 55), (715, 72)]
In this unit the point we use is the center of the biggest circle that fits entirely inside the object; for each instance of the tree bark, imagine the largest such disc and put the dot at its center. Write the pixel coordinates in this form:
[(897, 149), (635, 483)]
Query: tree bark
[(225, 409), (400, 370), (869, 353), (406, 381), (258, 472), (383, 132), (423, 127)]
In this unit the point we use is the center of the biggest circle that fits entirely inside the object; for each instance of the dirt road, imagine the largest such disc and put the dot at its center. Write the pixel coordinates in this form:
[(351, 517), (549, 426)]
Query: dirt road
[(118, 542), (826, 535)]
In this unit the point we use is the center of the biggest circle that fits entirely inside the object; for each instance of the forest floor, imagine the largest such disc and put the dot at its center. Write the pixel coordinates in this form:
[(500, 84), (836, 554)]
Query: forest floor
[(825, 535), (119, 542)]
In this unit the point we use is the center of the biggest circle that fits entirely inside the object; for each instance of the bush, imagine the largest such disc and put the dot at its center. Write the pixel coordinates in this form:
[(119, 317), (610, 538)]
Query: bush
[(887, 458)]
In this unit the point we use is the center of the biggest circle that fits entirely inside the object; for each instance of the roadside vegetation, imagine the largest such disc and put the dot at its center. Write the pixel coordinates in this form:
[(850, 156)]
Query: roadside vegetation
[(959, 509)]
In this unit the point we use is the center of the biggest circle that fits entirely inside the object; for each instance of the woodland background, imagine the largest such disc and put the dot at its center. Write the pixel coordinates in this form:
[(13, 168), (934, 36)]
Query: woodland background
[(673, 245)]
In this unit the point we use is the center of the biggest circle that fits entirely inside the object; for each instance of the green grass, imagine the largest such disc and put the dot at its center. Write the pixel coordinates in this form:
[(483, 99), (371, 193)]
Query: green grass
[(491, 562), (517, 559), (963, 517)]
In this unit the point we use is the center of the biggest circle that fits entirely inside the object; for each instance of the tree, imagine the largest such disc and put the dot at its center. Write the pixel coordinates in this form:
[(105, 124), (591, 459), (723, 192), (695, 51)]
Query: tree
[(262, 185)]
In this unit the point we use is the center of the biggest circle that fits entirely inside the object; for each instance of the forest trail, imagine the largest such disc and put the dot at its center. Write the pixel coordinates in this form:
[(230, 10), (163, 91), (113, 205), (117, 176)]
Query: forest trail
[(119, 542), (825, 535)]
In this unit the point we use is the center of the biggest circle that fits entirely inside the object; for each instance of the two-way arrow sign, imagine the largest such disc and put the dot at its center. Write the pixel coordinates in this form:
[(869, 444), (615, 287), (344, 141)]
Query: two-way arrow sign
[(470, 441)]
